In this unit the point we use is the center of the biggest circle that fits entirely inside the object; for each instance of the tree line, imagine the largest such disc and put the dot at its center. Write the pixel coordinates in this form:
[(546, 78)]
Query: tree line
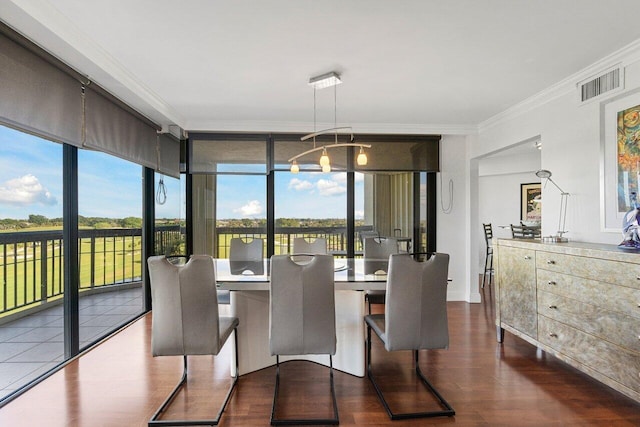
[(41, 221)]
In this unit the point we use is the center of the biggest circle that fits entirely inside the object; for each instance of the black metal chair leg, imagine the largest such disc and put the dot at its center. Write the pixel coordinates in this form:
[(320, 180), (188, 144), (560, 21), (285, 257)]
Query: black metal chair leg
[(449, 411), (308, 421), (154, 421)]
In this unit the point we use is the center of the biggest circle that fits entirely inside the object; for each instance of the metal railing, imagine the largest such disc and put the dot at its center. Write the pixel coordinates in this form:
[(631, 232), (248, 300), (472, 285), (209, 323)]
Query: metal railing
[(32, 267), (336, 238)]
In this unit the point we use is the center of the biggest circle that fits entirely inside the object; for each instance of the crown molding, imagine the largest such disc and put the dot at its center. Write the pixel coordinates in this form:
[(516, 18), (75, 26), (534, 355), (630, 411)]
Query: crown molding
[(624, 56), (306, 127)]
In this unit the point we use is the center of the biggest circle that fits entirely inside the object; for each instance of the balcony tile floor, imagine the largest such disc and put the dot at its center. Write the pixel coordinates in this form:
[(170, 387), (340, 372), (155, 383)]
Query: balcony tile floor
[(32, 345)]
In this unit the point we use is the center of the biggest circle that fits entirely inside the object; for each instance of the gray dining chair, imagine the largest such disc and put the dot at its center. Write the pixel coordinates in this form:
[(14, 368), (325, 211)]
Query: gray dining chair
[(302, 317), (376, 261), (302, 246), (246, 257), (415, 318), (185, 321)]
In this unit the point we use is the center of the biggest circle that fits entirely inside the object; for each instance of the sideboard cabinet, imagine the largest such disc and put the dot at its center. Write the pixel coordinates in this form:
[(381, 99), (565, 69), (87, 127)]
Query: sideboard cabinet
[(577, 301)]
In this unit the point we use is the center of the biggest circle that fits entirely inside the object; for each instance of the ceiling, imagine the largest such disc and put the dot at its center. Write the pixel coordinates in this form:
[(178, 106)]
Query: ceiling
[(412, 66)]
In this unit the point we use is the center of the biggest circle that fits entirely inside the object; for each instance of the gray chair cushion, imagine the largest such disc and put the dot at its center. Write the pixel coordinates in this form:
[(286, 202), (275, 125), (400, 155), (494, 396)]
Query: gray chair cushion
[(302, 305)]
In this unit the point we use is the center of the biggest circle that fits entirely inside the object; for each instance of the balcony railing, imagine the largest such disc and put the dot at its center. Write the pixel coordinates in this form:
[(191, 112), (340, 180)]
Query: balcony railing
[(32, 267), (336, 238)]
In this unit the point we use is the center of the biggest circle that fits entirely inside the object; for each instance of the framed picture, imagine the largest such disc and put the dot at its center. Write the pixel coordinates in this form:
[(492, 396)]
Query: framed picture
[(620, 162), (530, 202)]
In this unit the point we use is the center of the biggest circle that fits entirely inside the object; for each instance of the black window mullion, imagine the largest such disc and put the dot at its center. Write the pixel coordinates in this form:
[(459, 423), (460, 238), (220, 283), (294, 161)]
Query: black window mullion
[(70, 245)]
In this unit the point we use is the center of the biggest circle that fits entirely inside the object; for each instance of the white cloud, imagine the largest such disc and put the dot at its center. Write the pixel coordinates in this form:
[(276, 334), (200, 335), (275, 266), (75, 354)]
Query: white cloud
[(359, 177), (25, 190), (252, 207), (340, 177), (330, 188), (300, 185), (359, 214)]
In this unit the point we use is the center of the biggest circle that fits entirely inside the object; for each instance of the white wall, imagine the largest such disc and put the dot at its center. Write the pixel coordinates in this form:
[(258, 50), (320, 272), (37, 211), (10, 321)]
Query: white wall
[(571, 136), (571, 141), (499, 192), (452, 227)]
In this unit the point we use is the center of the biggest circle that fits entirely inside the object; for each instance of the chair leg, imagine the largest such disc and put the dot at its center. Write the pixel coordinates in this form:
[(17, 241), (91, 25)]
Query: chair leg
[(491, 272), (484, 276), (449, 411), (308, 421), (154, 421)]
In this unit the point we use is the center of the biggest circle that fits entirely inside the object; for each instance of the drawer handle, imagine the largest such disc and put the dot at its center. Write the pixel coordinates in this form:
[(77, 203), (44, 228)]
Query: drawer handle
[(551, 261), (551, 282), (553, 335), (553, 307), (527, 257)]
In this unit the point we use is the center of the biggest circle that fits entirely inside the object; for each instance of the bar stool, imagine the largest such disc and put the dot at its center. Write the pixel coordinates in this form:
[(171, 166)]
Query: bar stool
[(488, 259)]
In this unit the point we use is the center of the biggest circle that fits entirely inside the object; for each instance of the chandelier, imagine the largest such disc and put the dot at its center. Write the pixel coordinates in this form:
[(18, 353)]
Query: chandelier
[(331, 79)]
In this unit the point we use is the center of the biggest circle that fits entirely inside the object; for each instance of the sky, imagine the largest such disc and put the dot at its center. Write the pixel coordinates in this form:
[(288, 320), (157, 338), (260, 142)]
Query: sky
[(31, 183)]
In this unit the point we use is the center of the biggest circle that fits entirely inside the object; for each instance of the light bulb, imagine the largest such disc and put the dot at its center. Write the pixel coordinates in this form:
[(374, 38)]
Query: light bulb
[(362, 158), (294, 167), (324, 159), (326, 168)]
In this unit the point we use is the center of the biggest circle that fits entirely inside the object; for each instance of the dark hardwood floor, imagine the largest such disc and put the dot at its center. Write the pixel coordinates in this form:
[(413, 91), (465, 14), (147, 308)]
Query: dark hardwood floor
[(489, 384)]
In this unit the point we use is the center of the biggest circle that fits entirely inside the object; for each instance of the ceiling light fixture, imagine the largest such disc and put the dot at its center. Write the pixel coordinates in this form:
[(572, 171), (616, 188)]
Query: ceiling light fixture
[(322, 82)]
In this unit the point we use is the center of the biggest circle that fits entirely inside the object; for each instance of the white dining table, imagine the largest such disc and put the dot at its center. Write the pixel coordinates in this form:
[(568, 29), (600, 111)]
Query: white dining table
[(249, 286)]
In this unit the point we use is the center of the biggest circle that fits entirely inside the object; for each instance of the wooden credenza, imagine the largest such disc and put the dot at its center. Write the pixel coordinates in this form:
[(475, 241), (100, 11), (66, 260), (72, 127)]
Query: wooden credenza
[(577, 301)]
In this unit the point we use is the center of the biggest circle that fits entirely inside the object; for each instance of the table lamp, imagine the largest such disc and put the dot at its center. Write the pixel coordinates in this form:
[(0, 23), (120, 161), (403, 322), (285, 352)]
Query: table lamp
[(564, 197)]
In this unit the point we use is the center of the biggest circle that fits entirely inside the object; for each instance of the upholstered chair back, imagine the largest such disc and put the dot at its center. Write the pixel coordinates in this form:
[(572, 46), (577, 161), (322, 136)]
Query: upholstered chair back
[(376, 253), (302, 305), (185, 308), (416, 305), (302, 246)]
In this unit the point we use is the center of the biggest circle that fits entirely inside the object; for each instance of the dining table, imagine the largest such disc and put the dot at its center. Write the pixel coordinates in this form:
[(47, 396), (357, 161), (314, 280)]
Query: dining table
[(248, 283)]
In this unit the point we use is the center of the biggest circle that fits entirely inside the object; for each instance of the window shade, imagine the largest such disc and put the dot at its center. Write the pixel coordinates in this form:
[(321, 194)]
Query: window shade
[(38, 97), (228, 154), (112, 129), (398, 153), (169, 155)]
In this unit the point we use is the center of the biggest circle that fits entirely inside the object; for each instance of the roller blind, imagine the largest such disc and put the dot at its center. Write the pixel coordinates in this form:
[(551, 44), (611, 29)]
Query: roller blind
[(228, 154), (397, 153), (36, 96), (114, 130), (169, 155)]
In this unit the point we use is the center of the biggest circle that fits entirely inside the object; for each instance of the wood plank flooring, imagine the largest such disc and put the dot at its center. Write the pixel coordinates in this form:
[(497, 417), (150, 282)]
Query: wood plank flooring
[(119, 384)]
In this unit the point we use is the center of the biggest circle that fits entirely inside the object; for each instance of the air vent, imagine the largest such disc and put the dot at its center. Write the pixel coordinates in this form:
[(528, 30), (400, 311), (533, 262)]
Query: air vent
[(604, 83)]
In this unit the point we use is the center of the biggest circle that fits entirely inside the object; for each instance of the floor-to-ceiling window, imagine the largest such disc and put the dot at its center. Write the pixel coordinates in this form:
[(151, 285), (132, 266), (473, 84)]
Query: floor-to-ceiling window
[(31, 262), (311, 205), (110, 246), (236, 177), (170, 215)]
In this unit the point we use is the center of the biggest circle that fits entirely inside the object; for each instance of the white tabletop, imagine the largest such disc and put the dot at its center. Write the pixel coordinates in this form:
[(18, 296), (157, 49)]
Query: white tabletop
[(254, 276)]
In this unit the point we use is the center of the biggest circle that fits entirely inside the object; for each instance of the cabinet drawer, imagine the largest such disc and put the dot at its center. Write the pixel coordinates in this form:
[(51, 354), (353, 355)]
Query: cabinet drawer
[(603, 270), (615, 362), (608, 325), (612, 297), (517, 289)]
